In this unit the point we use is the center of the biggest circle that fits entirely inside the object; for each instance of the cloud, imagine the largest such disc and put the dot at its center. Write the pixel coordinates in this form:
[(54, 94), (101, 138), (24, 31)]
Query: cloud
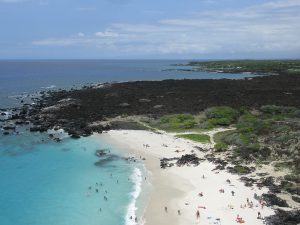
[(268, 28), (80, 34), (283, 4), (11, 1), (107, 34)]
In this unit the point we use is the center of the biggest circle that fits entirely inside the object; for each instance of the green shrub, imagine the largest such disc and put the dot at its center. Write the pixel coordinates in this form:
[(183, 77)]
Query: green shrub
[(270, 109), (221, 147), (180, 121), (165, 119), (221, 115), (274, 109), (233, 139), (219, 122), (296, 113), (250, 124), (242, 169)]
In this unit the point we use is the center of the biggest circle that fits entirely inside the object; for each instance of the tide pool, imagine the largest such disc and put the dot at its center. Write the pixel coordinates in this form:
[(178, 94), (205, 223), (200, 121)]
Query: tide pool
[(49, 183)]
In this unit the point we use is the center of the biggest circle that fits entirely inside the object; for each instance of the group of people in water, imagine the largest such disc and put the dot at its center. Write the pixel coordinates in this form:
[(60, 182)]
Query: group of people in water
[(97, 187)]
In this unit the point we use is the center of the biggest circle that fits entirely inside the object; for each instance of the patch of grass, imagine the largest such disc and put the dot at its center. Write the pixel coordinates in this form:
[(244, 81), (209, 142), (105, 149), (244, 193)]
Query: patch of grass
[(221, 116), (196, 137), (242, 169)]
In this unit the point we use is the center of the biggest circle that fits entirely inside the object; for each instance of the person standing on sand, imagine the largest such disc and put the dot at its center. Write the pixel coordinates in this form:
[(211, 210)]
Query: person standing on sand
[(166, 209), (258, 215), (178, 211), (198, 214)]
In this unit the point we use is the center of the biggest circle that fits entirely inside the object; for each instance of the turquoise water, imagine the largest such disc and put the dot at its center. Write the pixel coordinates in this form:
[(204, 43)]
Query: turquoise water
[(48, 183)]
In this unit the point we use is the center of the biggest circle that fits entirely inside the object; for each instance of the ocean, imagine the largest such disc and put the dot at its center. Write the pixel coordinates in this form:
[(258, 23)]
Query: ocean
[(50, 183)]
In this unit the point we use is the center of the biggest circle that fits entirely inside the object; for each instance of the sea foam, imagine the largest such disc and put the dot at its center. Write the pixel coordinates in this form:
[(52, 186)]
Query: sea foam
[(136, 177)]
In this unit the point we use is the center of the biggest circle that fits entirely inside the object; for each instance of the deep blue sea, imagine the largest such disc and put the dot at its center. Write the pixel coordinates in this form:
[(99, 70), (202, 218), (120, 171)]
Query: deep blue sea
[(47, 183)]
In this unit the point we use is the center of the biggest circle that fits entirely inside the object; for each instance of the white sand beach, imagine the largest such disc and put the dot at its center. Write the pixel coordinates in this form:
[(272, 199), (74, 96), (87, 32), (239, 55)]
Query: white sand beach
[(178, 188)]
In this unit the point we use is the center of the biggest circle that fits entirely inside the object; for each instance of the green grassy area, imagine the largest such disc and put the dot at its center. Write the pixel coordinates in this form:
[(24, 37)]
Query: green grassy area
[(196, 137), (263, 135), (177, 122), (209, 119), (266, 134)]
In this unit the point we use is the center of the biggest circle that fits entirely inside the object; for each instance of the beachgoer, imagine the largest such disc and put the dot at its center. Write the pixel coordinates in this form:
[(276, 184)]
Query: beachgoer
[(258, 215), (97, 190), (100, 210), (166, 209), (200, 194), (136, 220), (198, 214), (232, 193), (239, 219), (203, 177), (228, 181), (178, 211)]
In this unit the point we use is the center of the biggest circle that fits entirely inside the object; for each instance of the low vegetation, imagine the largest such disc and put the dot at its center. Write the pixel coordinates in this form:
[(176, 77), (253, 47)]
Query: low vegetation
[(265, 134), (250, 66), (196, 137), (213, 117), (177, 122), (270, 133)]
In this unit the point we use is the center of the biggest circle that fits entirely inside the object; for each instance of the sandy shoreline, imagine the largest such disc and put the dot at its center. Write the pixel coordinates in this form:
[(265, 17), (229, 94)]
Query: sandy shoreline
[(177, 188)]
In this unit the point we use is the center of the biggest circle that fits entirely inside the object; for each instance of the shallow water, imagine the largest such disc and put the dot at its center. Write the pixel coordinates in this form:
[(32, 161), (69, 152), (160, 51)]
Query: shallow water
[(48, 183)]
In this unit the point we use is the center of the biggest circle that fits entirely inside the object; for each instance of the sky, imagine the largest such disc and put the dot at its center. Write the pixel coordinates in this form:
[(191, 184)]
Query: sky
[(149, 29)]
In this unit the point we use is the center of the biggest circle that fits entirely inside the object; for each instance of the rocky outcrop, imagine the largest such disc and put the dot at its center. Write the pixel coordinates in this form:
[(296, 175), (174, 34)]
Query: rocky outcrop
[(284, 218), (272, 199)]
